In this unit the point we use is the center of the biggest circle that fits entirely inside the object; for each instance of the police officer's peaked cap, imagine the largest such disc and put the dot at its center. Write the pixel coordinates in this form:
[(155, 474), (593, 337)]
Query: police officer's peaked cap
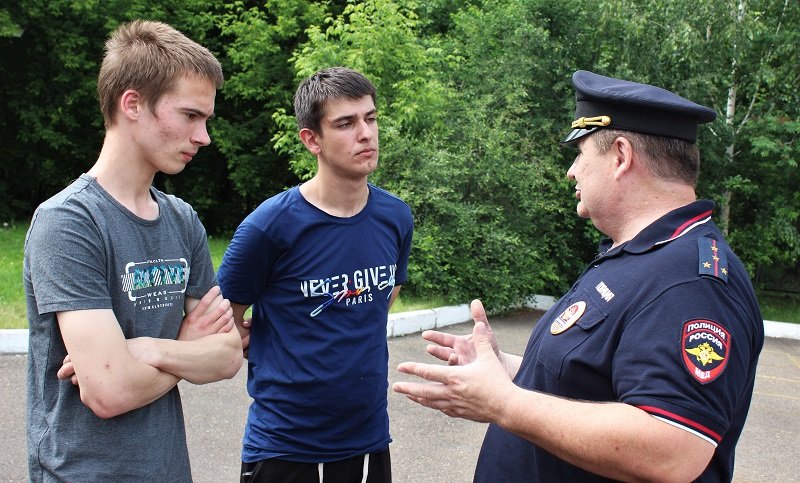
[(605, 102)]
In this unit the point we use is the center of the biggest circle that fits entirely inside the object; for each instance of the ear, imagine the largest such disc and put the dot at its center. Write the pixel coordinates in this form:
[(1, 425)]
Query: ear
[(130, 104), (310, 140), (624, 157)]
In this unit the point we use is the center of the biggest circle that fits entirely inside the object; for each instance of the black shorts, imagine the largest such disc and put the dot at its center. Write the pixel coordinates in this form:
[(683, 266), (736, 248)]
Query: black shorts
[(274, 470)]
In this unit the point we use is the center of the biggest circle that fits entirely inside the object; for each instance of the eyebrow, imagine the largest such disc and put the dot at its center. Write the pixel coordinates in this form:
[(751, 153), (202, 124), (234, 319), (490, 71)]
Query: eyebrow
[(199, 112), (348, 117)]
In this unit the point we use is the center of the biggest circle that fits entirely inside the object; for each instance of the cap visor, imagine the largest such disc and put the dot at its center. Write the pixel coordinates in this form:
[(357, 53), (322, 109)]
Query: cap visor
[(576, 134)]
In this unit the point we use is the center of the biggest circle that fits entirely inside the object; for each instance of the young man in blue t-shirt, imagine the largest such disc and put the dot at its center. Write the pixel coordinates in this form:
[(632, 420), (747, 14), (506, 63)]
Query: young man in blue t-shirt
[(320, 264)]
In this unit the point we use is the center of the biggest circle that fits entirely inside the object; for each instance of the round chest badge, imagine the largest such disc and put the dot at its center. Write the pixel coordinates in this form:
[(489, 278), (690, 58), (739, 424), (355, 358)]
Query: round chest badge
[(568, 317)]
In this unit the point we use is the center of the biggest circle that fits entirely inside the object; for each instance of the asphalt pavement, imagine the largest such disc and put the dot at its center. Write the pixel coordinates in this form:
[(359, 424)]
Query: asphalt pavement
[(428, 446)]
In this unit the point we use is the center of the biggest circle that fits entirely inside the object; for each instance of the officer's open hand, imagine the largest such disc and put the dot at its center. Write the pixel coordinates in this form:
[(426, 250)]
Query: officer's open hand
[(459, 349), (474, 391)]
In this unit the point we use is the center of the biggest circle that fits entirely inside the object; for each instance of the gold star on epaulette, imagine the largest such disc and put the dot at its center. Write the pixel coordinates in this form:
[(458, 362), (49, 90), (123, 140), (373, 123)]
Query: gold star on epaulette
[(712, 259)]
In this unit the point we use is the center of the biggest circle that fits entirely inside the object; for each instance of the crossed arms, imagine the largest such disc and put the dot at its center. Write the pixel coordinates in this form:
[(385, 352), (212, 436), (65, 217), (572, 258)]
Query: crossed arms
[(116, 375)]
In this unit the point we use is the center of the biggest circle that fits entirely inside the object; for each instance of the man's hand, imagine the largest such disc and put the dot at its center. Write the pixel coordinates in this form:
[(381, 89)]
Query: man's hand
[(458, 350), (143, 349), (475, 391), (67, 371), (243, 325), (244, 333), (212, 315)]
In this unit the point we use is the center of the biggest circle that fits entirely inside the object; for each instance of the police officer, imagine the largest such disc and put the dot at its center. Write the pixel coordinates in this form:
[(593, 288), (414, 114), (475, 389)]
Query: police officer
[(644, 370)]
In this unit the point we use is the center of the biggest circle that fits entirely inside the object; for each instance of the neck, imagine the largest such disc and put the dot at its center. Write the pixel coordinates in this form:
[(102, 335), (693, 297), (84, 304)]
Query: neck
[(125, 177), (339, 197), (645, 206)]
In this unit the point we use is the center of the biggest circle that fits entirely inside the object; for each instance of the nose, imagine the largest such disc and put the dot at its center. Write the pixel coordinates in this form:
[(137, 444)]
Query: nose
[(364, 130), (571, 170), (201, 136)]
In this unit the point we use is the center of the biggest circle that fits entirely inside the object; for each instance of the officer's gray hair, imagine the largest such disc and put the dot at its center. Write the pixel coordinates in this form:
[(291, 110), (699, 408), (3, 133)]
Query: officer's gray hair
[(668, 158)]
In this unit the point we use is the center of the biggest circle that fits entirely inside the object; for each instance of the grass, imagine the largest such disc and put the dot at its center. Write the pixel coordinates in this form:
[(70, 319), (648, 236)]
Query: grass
[(407, 304), (774, 306), (784, 307), (217, 246), (12, 295)]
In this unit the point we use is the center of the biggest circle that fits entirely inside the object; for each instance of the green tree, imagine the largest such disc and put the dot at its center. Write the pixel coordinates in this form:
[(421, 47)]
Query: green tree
[(469, 139), (493, 202), (51, 128), (734, 57), (378, 38), (473, 96), (259, 41)]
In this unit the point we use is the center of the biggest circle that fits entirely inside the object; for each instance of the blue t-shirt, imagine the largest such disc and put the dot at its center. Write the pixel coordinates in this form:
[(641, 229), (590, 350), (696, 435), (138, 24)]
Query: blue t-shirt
[(667, 322), (320, 287)]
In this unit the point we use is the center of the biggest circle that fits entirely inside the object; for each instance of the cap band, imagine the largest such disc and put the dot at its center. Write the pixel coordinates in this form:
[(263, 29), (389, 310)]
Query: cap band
[(608, 103)]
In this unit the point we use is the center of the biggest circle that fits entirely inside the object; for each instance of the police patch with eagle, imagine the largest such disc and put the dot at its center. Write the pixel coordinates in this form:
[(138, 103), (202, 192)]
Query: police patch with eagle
[(705, 346)]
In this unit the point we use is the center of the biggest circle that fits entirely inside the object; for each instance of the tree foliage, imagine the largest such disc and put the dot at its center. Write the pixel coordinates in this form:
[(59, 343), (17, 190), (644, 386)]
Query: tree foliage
[(473, 96)]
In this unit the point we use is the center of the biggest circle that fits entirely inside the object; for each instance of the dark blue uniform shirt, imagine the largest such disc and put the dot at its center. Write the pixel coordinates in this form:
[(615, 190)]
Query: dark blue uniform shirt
[(667, 322)]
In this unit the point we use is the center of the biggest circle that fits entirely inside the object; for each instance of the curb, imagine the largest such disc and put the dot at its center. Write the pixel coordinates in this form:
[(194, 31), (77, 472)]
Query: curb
[(15, 341)]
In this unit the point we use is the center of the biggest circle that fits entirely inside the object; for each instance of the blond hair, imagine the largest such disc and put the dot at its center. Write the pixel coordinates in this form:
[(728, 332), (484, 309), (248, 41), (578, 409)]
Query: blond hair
[(149, 57)]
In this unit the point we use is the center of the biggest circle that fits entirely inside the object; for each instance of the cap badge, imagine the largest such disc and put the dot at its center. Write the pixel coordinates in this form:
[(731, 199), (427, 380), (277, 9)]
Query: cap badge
[(582, 122), (568, 317)]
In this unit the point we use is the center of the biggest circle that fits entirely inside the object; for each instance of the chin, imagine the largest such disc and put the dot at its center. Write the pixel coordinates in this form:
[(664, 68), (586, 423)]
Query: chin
[(173, 170)]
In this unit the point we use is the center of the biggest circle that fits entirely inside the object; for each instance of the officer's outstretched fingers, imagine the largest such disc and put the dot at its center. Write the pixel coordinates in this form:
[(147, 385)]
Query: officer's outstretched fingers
[(478, 314)]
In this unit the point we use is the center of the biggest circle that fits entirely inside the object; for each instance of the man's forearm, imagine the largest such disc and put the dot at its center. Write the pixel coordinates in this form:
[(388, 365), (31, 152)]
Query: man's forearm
[(511, 362), (208, 359), (611, 439), (131, 386)]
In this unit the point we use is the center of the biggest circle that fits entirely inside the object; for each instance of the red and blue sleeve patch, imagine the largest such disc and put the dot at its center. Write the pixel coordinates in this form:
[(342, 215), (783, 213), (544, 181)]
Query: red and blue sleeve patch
[(712, 260), (705, 347)]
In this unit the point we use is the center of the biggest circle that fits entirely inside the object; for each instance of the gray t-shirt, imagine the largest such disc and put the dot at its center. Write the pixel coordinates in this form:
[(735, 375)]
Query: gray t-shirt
[(84, 250)]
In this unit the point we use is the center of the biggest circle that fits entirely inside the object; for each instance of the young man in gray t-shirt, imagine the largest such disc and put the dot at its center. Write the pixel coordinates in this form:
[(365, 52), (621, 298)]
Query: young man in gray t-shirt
[(122, 302)]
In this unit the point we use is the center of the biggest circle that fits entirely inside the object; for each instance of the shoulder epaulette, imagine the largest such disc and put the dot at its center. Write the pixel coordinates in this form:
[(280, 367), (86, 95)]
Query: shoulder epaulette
[(712, 260)]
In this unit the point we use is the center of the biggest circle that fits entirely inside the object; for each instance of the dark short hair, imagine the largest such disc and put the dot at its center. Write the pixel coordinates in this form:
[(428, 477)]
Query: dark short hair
[(671, 159), (327, 84)]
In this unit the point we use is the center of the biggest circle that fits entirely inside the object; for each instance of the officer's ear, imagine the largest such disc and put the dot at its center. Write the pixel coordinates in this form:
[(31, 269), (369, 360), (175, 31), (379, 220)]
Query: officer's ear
[(624, 156)]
